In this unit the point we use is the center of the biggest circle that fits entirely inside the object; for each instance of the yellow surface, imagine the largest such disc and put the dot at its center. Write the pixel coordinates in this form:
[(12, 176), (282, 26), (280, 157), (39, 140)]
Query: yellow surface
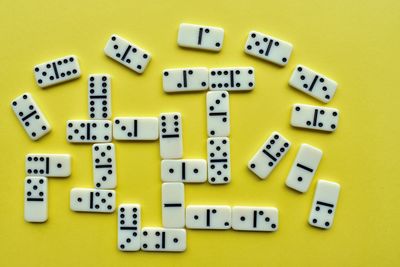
[(355, 44)]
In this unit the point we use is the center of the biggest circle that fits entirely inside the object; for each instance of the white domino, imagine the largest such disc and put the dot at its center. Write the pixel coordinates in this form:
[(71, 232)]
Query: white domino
[(324, 204), (218, 116), (129, 223), (232, 79), (184, 80), (171, 146), (35, 199), (219, 160), (99, 96), (135, 128), (246, 218), (200, 37), (313, 83), (268, 48), (49, 165), (304, 167), (163, 239), (269, 155), (127, 53), (104, 169), (208, 217), (57, 71), (30, 116), (89, 131), (314, 117), (173, 205), (184, 170), (92, 200)]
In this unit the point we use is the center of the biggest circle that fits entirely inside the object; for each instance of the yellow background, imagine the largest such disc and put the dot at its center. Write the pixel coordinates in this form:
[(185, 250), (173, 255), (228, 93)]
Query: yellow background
[(356, 44)]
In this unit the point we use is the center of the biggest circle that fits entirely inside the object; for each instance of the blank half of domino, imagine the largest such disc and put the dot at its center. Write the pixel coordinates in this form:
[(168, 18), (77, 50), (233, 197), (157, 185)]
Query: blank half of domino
[(314, 117), (232, 78), (200, 37), (304, 167), (184, 170), (269, 155), (185, 80), (57, 71), (313, 83), (48, 165), (126, 53), (135, 128), (268, 48), (129, 227), (30, 116), (324, 204)]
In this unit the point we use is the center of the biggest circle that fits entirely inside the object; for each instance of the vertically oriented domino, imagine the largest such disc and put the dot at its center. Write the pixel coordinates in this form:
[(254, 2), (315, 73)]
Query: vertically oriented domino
[(324, 204), (218, 115), (173, 205), (171, 146), (99, 96), (129, 223), (304, 167), (35, 208)]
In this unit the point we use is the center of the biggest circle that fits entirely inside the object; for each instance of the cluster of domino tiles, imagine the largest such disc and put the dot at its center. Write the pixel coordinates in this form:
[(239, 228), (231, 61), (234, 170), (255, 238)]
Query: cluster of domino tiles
[(168, 129)]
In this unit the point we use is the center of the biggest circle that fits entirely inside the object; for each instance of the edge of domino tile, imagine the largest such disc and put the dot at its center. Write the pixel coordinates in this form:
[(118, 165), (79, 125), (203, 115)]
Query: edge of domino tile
[(55, 59)]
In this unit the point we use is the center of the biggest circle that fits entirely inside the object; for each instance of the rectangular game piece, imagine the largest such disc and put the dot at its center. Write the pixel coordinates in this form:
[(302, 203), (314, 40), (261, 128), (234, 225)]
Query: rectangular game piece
[(99, 92), (57, 71), (324, 204), (313, 83), (314, 117), (35, 200), (200, 37), (30, 116), (104, 169), (304, 167), (184, 170), (219, 160), (129, 223), (135, 128), (246, 218), (268, 48), (173, 205), (89, 131), (163, 239), (218, 118), (269, 155), (92, 200), (184, 80), (232, 79), (49, 165), (171, 146), (208, 217), (127, 53)]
